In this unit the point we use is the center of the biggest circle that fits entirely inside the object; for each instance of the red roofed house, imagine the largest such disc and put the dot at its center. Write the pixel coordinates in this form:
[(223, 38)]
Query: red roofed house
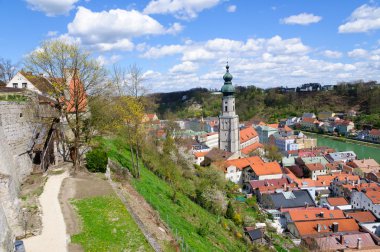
[(199, 157), (344, 242), (362, 216), (318, 228), (337, 203), (309, 123), (150, 118), (254, 169), (374, 135), (367, 200)]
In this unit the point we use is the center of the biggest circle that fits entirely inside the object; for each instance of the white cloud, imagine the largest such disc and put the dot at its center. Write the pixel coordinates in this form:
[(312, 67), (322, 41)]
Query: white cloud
[(103, 60), (332, 54), (231, 8), (301, 19), (184, 67), (363, 19), (358, 53), (182, 9), (264, 62), (197, 54), (114, 29), (52, 33), (52, 7), (122, 45), (158, 52)]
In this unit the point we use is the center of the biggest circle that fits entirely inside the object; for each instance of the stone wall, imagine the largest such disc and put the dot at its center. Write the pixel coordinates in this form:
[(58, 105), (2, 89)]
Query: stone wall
[(18, 123)]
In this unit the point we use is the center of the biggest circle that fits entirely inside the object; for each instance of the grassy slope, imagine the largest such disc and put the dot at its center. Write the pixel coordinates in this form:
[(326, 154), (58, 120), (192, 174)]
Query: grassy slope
[(107, 226), (185, 217)]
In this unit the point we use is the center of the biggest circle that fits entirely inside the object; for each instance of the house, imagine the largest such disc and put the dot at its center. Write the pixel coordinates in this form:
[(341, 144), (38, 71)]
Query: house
[(210, 139), (265, 132), (252, 185), (35, 83), (256, 235), (344, 127), (337, 185), (199, 157), (364, 166), (328, 87), (293, 199), (343, 242), (309, 123), (323, 116), (218, 156), (312, 214), (373, 176), (308, 115), (233, 169), (259, 170), (361, 216), (252, 148), (292, 121), (336, 203), (309, 87), (312, 166), (315, 228), (367, 200), (248, 136), (150, 118), (374, 135), (344, 156)]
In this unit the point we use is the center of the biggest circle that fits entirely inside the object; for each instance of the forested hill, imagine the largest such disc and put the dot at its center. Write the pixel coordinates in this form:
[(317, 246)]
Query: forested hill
[(273, 105)]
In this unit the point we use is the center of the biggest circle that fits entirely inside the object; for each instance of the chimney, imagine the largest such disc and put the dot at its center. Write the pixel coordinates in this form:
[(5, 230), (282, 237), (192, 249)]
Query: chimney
[(318, 227), (322, 214), (335, 227), (359, 243), (341, 239)]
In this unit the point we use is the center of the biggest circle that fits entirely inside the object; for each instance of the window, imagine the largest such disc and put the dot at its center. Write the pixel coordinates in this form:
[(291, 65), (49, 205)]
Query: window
[(24, 85), (225, 108), (15, 85)]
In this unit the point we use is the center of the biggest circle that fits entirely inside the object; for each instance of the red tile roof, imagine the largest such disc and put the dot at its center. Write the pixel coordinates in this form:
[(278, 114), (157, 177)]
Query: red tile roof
[(310, 228), (375, 132), (315, 214), (350, 241), (247, 134), (199, 154), (338, 201), (315, 167), (252, 147), (362, 216), (374, 196), (257, 164)]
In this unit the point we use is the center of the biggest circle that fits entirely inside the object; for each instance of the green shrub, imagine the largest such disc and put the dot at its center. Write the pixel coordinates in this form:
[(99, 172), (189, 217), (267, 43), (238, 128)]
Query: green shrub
[(97, 160)]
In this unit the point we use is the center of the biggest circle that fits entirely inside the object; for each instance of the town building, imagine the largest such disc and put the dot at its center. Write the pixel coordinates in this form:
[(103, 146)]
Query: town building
[(228, 120), (367, 200)]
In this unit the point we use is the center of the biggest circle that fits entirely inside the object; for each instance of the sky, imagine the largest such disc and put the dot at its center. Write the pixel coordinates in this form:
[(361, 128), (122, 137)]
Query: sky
[(183, 44)]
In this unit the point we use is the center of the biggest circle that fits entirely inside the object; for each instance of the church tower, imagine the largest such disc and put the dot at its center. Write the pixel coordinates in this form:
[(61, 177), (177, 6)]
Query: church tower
[(228, 120)]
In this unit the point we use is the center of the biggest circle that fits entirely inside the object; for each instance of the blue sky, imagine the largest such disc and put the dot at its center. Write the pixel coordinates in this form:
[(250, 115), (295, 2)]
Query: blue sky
[(181, 44)]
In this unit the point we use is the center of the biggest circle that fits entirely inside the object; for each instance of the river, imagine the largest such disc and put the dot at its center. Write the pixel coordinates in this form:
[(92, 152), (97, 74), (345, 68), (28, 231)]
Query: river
[(361, 151)]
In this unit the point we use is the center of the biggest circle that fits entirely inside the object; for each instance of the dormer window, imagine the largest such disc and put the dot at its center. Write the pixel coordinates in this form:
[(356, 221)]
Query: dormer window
[(24, 85), (15, 85)]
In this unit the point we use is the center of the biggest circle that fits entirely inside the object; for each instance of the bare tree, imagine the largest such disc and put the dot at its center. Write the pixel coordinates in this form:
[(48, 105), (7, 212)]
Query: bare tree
[(129, 82), (7, 70), (76, 79)]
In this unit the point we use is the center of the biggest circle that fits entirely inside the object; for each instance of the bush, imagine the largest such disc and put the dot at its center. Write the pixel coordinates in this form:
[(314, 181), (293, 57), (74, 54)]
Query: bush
[(97, 160)]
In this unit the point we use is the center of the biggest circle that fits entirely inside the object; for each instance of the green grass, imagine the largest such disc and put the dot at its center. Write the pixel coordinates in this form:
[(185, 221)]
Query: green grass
[(185, 217), (107, 226)]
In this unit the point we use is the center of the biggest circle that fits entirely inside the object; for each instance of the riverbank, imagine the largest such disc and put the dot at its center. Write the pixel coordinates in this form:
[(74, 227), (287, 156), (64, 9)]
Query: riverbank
[(345, 139), (363, 151)]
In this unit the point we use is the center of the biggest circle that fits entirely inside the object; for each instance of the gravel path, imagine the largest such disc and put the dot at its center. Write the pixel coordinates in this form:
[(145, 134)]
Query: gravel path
[(53, 236)]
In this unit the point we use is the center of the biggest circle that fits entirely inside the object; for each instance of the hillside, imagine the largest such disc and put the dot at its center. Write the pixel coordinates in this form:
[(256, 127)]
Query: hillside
[(273, 105)]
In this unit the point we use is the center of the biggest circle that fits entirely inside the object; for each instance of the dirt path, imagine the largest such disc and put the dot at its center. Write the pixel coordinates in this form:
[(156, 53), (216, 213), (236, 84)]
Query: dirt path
[(83, 185), (53, 236)]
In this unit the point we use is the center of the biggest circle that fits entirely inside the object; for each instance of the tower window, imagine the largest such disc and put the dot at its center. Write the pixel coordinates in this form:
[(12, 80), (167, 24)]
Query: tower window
[(225, 108)]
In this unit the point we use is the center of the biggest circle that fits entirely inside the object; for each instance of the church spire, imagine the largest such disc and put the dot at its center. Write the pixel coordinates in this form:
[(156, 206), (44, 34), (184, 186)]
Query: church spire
[(227, 88)]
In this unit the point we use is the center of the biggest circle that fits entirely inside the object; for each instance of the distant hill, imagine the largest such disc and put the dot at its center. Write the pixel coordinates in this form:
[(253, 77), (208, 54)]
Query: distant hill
[(272, 104)]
